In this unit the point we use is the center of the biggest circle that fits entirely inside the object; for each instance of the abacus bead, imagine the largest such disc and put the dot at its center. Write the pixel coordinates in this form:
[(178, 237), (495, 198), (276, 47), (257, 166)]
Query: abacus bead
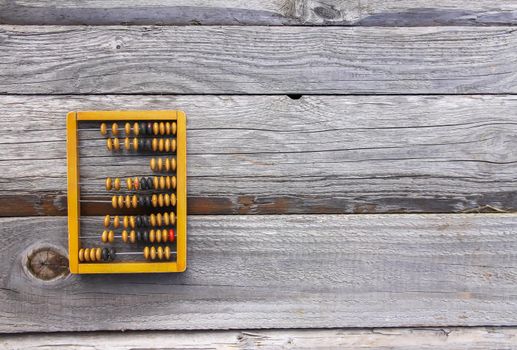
[(98, 254), (166, 221), (152, 220), (161, 145), (141, 144), (116, 144), (114, 129), (167, 253), (148, 145), (159, 252), (105, 254), (162, 128), (156, 182), (168, 128), (167, 182), (124, 236), (173, 164), (160, 200), (136, 183), (132, 236), (104, 129), (142, 183), (128, 201), (159, 219), (111, 236), (127, 128), (92, 254), (152, 235), (112, 254), (104, 236), (164, 235), (139, 236), (149, 127), (146, 236), (154, 199), (143, 129), (107, 220), (136, 129), (81, 255), (159, 164), (116, 221), (109, 144), (135, 144), (134, 201), (155, 144), (147, 201), (120, 201), (153, 253), (141, 201), (172, 217), (146, 221), (171, 235), (132, 221), (149, 183), (173, 199), (116, 184), (127, 144), (162, 182), (138, 221), (158, 236), (87, 254), (108, 184), (173, 182), (156, 128), (146, 253), (129, 183), (152, 164), (173, 145), (167, 164), (166, 200), (125, 221), (167, 145), (114, 202)]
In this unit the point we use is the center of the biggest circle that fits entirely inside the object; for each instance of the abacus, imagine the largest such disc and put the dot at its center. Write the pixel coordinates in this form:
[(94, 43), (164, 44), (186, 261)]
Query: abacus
[(144, 228)]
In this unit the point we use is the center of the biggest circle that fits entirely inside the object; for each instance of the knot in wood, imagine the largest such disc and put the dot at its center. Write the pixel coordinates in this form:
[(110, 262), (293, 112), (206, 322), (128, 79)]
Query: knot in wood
[(47, 264)]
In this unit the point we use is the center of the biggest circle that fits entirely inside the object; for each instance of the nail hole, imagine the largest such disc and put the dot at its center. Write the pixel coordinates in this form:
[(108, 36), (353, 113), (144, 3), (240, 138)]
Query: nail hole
[(294, 96)]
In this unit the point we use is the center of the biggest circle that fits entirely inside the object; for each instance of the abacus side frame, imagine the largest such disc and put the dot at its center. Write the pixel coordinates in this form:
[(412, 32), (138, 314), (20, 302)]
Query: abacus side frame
[(73, 201)]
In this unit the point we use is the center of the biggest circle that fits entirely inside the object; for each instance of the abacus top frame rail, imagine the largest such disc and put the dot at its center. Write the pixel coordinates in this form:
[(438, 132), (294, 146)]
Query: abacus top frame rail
[(74, 196)]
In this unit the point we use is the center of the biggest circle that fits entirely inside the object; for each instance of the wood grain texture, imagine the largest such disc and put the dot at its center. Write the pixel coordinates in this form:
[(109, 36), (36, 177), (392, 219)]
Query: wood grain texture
[(271, 154), (338, 339), (260, 12), (280, 271), (257, 60)]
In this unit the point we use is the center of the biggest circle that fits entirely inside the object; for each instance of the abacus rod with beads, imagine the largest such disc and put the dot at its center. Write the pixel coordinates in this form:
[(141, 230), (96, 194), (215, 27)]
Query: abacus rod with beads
[(133, 221), (141, 128), (98, 254), (161, 200), (165, 235)]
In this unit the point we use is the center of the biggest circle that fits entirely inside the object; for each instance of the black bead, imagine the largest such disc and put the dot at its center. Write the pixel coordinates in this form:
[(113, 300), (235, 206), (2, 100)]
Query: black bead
[(112, 254), (143, 183), (143, 128), (139, 236), (148, 145), (105, 254), (141, 201), (146, 236), (145, 220), (149, 128), (149, 183), (138, 221), (148, 201), (141, 144)]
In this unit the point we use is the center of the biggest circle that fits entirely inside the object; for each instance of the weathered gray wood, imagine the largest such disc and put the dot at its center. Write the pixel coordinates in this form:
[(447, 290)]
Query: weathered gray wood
[(339, 339), (257, 60), (271, 154), (280, 271), (260, 12)]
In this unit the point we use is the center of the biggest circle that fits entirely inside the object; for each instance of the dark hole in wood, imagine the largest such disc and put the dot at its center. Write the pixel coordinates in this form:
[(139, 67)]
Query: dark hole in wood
[(294, 96), (47, 264)]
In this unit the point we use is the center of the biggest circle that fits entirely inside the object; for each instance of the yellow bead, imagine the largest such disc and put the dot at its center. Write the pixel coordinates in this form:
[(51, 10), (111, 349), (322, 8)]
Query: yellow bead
[(126, 222), (104, 236), (153, 253), (81, 255), (173, 145), (128, 201), (159, 252), (116, 221), (132, 236), (107, 220), (116, 144), (152, 236), (173, 164), (167, 164), (127, 144), (87, 254), (172, 218), (146, 253), (92, 254), (121, 201), (134, 201), (127, 128), (108, 184), (159, 164), (166, 200), (114, 129), (135, 144), (173, 182), (162, 128), (132, 221), (156, 128), (154, 200), (129, 183), (159, 219), (155, 182), (167, 145), (162, 182), (114, 202), (136, 129), (160, 200), (173, 199), (98, 254), (111, 236), (152, 220), (104, 129), (173, 128), (154, 144), (164, 235), (116, 184), (124, 236), (167, 182), (167, 253), (153, 164), (168, 128), (166, 221), (161, 145), (109, 144), (158, 236)]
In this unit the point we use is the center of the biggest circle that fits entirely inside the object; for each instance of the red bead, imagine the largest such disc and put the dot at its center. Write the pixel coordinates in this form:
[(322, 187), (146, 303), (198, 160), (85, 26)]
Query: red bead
[(171, 235)]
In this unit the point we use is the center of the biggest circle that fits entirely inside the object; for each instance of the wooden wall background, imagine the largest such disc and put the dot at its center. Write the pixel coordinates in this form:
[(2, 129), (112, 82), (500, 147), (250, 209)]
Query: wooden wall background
[(352, 172)]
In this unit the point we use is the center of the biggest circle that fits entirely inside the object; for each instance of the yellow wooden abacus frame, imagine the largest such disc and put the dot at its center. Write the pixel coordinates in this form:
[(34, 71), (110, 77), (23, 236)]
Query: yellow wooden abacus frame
[(77, 267)]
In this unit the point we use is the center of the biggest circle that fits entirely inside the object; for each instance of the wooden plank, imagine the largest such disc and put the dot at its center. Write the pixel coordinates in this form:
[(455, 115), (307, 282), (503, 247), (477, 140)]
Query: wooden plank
[(271, 154), (291, 271), (257, 60), (263, 12), (481, 338)]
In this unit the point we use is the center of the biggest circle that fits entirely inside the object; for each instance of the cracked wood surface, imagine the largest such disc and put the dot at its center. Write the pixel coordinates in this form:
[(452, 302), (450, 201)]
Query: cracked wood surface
[(274, 155), (257, 60)]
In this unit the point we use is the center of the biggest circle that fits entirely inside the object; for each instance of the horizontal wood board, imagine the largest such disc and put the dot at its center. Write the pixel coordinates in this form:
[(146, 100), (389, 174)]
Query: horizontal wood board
[(258, 12), (279, 271), (257, 60), (272, 154)]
